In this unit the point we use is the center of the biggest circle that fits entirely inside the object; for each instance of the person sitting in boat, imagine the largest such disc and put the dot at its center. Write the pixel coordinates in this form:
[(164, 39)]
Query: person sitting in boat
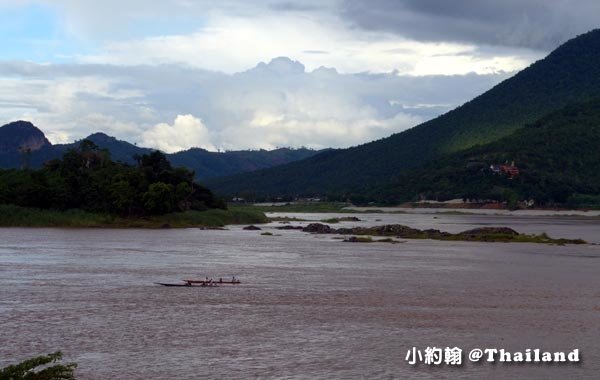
[(220, 280), (233, 280)]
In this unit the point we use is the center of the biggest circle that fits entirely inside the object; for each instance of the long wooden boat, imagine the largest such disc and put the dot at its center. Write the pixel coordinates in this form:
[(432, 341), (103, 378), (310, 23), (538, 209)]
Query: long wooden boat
[(188, 285), (213, 282)]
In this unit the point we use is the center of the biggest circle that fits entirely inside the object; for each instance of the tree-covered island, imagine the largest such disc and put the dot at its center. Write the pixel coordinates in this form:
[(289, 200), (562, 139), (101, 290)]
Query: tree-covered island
[(87, 189)]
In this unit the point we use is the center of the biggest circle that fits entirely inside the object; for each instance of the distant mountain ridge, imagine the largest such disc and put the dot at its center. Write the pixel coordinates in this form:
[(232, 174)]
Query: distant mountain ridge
[(568, 75), (17, 137)]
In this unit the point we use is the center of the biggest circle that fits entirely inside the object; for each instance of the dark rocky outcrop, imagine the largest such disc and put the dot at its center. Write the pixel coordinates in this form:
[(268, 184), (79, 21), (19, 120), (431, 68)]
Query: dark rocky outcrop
[(484, 234), (320, 228), (385, 230), (290, 227), (21, 136), (252, 228), (491, 230)]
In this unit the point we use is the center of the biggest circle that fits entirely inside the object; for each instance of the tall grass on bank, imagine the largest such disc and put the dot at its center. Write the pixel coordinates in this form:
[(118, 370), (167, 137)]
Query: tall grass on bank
[(15, 216), (211, 218)]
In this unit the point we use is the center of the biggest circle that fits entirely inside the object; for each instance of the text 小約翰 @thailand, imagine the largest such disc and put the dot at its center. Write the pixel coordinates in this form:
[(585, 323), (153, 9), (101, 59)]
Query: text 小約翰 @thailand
[(454, 356)]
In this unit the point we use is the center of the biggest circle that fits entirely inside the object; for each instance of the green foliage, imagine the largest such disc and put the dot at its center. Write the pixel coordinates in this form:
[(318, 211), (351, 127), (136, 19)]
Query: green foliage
[(87, 179), (512, 199), (28, 369), (159, 198), (569, 74), (584, 201)]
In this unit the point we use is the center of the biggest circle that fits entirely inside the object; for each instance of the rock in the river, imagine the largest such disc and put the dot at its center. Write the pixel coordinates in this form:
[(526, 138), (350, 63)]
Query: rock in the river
[(290, 228), (491, 231), (251, 228), (319, 228)]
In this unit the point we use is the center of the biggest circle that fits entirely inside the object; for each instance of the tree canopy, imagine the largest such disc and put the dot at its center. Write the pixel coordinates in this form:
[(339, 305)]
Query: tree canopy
[(86, 178)]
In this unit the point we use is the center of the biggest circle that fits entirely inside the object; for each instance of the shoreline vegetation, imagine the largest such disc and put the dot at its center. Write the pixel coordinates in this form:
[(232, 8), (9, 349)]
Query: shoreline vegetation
[(16, 216)]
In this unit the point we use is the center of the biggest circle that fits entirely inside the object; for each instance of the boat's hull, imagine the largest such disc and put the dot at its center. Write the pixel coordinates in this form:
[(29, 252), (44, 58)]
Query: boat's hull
[(212, 282), (186, 285)]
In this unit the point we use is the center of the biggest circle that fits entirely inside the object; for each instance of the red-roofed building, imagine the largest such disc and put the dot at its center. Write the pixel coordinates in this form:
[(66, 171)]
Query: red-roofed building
[(511, 171)]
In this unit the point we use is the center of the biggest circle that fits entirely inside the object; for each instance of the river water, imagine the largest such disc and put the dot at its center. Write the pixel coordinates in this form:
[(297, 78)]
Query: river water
[(309, 306)]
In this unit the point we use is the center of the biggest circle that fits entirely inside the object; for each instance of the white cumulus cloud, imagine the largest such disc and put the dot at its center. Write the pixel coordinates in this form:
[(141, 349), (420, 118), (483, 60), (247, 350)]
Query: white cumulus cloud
[(186, 132)]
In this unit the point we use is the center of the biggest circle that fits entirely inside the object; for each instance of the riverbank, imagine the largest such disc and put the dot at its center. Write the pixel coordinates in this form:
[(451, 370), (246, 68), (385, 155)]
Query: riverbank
[(14, 216), (312, 207), (347, 208), (472, 211)]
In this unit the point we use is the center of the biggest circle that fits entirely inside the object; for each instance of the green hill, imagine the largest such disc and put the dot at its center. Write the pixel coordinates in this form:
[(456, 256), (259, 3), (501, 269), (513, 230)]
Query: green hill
[(217, 164), (569, 74), (558, 158)]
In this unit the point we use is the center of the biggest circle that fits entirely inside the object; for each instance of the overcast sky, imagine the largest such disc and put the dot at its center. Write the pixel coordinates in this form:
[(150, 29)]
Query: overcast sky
[(236, 74)]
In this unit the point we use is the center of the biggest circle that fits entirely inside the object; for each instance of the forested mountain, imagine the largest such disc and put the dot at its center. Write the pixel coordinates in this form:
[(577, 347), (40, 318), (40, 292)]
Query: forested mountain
[(569, 74), (24, 145), (557, 158)]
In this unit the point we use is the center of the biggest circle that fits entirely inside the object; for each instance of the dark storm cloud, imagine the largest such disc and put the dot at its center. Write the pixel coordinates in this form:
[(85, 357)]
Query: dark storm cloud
[(535, 24)]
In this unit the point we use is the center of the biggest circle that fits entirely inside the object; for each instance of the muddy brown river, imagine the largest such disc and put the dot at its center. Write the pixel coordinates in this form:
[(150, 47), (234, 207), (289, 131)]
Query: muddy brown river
[(309, 306)]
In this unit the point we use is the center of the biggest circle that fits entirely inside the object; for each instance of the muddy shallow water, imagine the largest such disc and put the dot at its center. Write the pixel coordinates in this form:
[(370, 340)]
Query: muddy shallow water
[(308, 307)]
